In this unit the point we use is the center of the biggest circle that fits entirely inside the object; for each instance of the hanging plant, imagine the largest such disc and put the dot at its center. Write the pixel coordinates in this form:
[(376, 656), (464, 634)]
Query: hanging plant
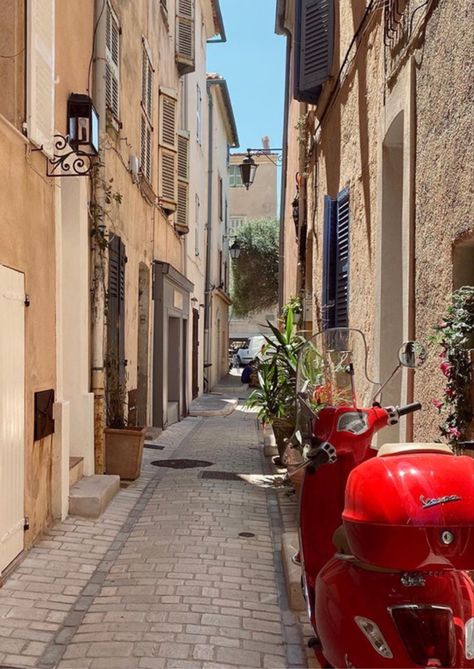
[(455, 334)]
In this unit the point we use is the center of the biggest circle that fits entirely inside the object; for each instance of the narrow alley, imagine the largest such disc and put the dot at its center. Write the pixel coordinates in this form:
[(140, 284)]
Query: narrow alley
[(182, 571)]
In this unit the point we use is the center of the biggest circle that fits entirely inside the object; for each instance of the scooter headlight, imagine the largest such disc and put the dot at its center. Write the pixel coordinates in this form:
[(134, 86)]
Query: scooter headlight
[(374, 635)]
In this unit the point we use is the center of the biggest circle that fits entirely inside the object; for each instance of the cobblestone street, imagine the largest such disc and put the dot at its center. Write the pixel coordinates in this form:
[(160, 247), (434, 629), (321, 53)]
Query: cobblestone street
[(182, 571)]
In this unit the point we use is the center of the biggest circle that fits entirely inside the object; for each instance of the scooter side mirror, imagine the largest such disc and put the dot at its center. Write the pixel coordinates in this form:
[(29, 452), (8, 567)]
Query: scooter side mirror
[(412, 354)]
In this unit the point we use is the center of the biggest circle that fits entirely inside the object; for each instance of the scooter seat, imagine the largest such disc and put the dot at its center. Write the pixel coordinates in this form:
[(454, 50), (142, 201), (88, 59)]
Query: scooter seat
[(395, 449)]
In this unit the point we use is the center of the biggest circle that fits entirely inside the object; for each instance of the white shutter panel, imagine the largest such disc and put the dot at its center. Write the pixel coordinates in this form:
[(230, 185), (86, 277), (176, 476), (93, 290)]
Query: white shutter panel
[(182, 211), (40, 73), (167, 190), (112, 64), (185, 30), (145, 157), (168, 159), (168, 109)]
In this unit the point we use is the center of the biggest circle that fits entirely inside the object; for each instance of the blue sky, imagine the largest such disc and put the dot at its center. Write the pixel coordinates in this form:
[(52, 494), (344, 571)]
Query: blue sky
[(253, 63)]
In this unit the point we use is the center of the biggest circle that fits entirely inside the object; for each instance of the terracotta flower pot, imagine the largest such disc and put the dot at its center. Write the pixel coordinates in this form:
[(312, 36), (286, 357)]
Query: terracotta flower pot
[(283, 428), (124, 451)]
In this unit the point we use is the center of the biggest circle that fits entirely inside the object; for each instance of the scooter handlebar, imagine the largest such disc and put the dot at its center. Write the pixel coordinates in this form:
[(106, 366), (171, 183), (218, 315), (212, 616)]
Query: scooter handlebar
[(408, 408)]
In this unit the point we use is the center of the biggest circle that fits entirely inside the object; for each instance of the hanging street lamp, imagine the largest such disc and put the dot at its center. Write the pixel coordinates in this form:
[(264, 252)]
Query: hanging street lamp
[(248, 168), (234, 250)]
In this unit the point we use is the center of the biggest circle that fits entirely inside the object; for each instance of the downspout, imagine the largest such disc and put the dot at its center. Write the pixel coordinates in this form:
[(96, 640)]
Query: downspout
[(283, 173), (98, 264), (207, 292)]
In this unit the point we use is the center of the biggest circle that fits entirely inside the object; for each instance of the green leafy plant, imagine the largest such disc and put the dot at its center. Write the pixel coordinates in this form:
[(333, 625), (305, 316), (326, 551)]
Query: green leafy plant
[(255, 271), (455, 335), (277, 372)]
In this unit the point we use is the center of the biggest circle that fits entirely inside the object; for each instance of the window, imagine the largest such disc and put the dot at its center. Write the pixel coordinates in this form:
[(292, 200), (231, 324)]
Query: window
[(336, 261), (235, 223), (168, 160), (314, 44), (112, 63), (235, 177), (198, 115), (147, 113)]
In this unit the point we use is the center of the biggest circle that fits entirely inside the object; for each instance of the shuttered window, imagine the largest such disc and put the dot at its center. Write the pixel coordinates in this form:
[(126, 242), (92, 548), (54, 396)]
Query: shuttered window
[(168, 158), (314, 44), (40, 73), (185, 36), (182, 212), (147, 113), (112, 63), (335, 298), (116, 316)]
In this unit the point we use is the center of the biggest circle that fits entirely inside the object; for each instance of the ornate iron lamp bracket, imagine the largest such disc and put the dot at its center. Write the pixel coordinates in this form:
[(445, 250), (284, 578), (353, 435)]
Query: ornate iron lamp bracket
[(66, 162)]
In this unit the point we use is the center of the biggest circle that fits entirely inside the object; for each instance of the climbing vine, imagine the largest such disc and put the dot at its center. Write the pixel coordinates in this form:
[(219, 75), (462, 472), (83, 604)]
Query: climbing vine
[(455, 335)]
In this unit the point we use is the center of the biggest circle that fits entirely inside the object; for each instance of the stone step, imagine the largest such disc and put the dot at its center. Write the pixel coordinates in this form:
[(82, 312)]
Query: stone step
[(76, 470), (292, 571), (90, 496), (173, 416)]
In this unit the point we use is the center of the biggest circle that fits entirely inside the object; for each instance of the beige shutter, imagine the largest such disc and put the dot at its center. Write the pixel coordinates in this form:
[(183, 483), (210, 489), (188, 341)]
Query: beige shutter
[(182, 213), (185, 31), (168, 159), (112, 63), (147, 82), (40, 73), (145, 152)]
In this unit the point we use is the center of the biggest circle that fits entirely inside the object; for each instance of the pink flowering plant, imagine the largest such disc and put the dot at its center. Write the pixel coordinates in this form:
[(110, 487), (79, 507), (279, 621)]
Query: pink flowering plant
[(455, 335)]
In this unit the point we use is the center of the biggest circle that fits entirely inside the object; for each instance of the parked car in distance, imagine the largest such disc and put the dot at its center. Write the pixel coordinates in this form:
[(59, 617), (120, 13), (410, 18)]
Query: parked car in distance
[(251, 348)]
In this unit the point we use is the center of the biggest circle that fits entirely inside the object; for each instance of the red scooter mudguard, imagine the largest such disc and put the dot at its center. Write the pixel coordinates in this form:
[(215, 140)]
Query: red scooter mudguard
[(371, 619)]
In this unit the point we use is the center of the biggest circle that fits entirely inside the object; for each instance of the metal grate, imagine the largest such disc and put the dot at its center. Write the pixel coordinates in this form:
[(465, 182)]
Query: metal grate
[(182, 464), (156, 447), (221, 476)]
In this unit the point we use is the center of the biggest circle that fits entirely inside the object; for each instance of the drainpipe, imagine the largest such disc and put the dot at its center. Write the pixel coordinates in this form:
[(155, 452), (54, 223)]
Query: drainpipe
[(281, 29), (207, 293), (98, 265)]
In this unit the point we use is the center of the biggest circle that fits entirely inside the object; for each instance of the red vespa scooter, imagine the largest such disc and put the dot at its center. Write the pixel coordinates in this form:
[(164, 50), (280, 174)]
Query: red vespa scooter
[(388, 586)]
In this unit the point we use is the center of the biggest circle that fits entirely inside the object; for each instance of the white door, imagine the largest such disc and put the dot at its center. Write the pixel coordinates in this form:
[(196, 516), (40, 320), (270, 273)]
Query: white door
[(12, 397)]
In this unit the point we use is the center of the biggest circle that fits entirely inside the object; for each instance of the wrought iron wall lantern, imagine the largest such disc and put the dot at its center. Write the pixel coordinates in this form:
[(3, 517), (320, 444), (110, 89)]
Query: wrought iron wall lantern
[(73, 154), (248, 167), (234, 250)]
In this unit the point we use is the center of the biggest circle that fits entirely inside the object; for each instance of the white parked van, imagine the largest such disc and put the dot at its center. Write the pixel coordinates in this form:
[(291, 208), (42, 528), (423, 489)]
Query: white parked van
[(251, 349)]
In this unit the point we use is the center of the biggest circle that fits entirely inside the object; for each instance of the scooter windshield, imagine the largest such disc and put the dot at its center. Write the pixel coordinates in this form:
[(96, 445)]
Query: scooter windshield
[(329, 365)]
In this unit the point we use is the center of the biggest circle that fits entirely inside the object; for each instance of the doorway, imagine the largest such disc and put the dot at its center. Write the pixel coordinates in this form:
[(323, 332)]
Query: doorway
[(195, 354)]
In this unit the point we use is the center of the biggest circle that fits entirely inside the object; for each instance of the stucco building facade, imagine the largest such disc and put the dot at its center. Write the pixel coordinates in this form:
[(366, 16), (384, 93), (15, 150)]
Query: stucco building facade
[(378, 137), (96, 292)]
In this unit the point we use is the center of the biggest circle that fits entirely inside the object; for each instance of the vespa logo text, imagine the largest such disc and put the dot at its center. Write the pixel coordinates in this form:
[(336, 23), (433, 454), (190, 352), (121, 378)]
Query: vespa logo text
[(433, 501)]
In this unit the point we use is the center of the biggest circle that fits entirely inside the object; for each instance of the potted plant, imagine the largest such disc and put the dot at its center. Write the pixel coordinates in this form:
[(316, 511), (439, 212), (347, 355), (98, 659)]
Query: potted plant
[(123, 442), (275, 398)]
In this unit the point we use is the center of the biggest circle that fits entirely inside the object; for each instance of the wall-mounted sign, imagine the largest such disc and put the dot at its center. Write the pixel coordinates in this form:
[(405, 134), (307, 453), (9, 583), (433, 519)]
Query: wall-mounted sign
[(178, 299)]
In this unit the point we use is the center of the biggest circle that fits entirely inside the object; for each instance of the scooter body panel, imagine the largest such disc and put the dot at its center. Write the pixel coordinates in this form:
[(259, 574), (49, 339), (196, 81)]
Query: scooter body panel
[(346, 593)]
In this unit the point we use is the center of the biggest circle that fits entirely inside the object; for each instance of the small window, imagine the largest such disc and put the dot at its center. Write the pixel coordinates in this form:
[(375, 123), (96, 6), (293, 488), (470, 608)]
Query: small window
[(336, 261), (197, 223), (235, 177)]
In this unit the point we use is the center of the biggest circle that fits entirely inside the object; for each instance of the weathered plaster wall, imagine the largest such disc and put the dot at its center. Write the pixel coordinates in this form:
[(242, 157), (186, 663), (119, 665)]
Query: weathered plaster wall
[(27, 244), (12, 69), (347, 157), (444, 177)]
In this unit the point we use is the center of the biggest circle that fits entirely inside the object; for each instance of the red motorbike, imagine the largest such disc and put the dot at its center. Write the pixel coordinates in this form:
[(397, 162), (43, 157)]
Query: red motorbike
[(386, 535)]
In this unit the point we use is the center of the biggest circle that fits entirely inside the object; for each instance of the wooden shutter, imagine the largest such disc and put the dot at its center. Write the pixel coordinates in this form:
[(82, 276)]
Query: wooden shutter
[(168, 160), (116, 311), (145, 149), (185, 36), (112, 63), (329, 262), (335, 298), (314, 47), (182, 212), (341, 307), (40, 73), (147, 83)]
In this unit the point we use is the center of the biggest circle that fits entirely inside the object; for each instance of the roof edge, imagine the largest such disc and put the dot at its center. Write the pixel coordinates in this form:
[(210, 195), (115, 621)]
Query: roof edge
[(222, 84)]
